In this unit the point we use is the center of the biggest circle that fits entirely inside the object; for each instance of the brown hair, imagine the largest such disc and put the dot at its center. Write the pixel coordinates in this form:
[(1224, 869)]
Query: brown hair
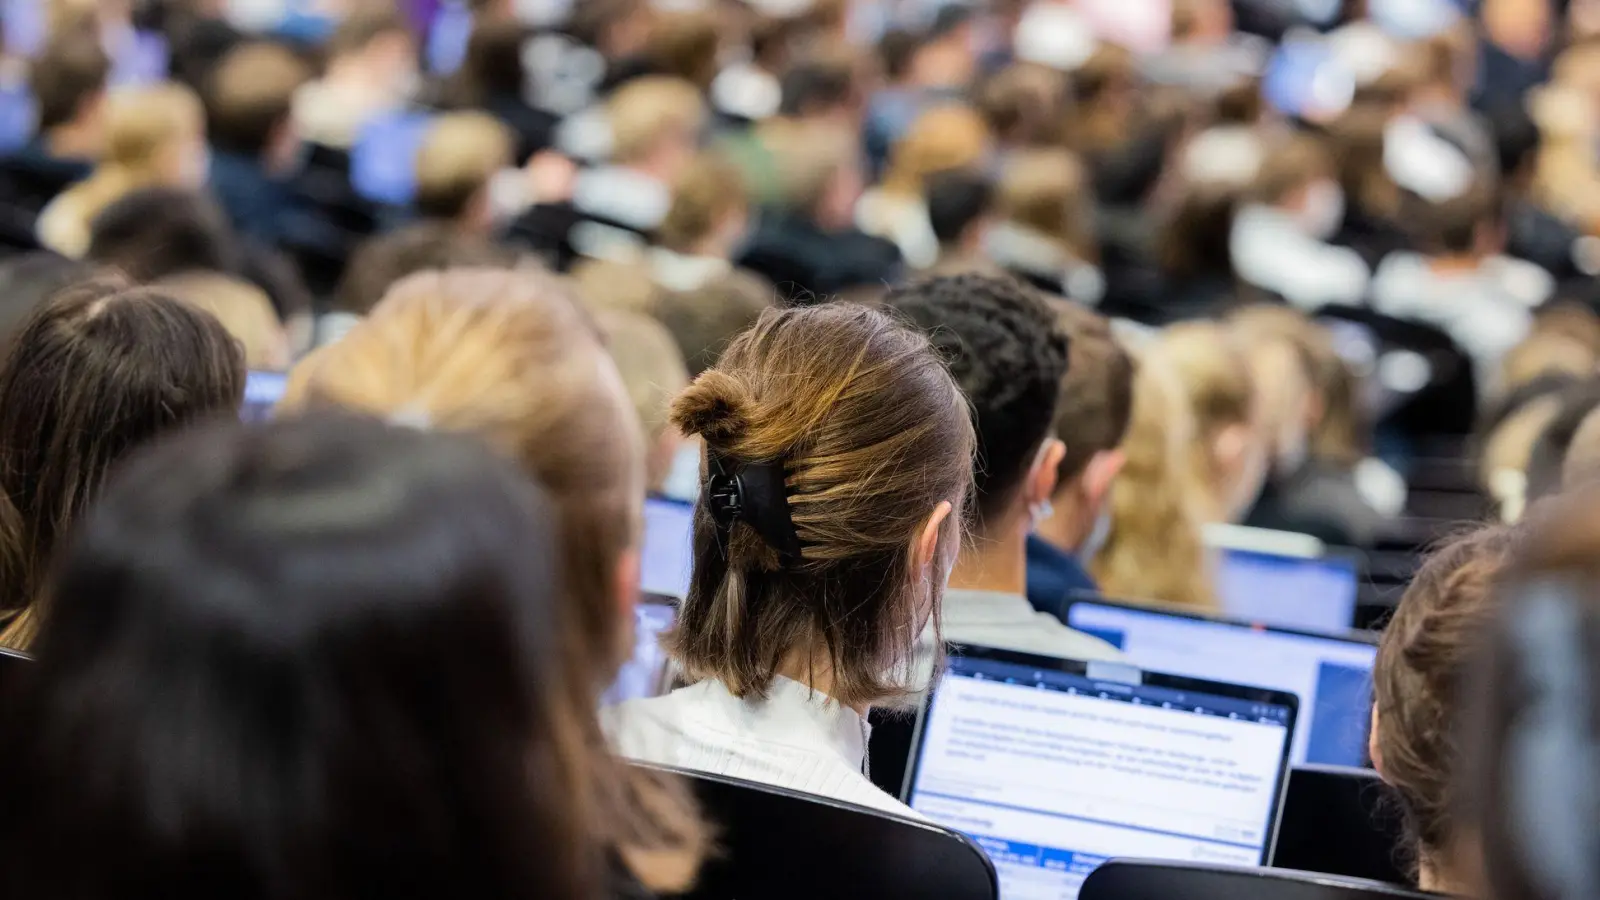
[(242, 308), (1342, 434), (1048, 191), (686, 45), (1287, 165), (709, 190), (368, 22), (99, 369), (509, 356), (1022, 103), (380, 262), (653, 373), (72, 69), (1096, 404), (647, 111), (704, 321), (872, 434), (459, 156), (951, 136), (1425, 650), (250, 93)]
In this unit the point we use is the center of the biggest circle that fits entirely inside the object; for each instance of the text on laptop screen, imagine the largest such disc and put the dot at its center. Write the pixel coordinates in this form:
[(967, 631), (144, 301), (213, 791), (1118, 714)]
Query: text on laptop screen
[(643, 675), (1331, 676), (668, 550), (1053, 773), (1314, 594)]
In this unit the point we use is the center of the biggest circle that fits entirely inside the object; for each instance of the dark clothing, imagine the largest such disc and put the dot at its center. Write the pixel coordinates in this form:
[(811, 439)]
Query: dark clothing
[(1540, 238), (258, 204), (1054, 577), (613, 212), (808, 264), (1320, 500), (534, 128), (32, 177)]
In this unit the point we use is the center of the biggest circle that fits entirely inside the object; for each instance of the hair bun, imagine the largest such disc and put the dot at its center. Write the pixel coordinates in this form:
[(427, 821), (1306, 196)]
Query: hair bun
[(716, 407)]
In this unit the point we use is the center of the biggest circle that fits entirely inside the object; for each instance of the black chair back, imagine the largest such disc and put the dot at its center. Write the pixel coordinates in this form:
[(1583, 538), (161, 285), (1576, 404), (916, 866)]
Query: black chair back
[(1341, 821), (12, 664), (778, 844), (1144, 880)]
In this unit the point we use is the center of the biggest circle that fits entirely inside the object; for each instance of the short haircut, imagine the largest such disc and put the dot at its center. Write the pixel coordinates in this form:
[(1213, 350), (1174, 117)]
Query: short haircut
[(27, 281), (648, 110), (367, 23), (687, 45), (460, 155), (430, 247), (956, 199), (651, 366), (1288, 164), (818, 83), (242, 308), (705, 321), (1453, 225), (1009, 355), (250, 94), (99, 369), (154, 233), (72, 69), (1096, 405), (709, 190)]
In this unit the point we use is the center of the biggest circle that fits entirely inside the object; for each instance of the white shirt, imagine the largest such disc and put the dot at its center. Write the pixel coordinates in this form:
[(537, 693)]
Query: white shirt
[(1271, 252), (1009, 622), (797, 738)]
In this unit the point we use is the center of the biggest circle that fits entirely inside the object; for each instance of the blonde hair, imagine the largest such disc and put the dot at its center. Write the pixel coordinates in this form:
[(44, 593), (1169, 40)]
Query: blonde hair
[(648, 110), (243, 309), (707, 192), (653, 372), (460, 155), (1048, 191), (946, 137), (1154, 551), (808, 157), (1216, 382), (143, 126), (509, 356), (615, 286)]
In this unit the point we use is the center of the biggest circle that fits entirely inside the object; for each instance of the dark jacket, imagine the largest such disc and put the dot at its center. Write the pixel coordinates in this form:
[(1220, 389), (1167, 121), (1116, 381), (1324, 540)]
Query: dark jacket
[(31, 177), (613, 212), (809, 264), (259, 205), (1055, 577)]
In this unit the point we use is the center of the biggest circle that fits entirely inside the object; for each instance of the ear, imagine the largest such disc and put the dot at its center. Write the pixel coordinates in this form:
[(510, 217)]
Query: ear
[(927, 543), (1228, 448), (1372, 745), (1046, 472), (1098, 476)]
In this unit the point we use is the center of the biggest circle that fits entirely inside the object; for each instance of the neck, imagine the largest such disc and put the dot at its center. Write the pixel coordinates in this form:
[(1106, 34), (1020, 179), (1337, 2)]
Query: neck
[(995, 562), (1455, 263), (1063, 530), (72, 141), (814, 671)]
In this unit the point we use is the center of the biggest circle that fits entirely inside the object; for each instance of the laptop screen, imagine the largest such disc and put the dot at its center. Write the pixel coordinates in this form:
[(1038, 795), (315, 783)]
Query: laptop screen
[(1055, 766), (262, 391), (644, 675), (668, 551), (1331, 676), (1287, 591)]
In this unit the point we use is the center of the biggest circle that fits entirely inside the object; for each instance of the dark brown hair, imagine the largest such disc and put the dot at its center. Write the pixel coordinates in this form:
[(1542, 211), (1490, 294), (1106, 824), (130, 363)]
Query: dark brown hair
[(1096, 404), (250, 93), (872, 433), (99, 369), (72, 68), (706, 320), (384, 260), (1426, 649)]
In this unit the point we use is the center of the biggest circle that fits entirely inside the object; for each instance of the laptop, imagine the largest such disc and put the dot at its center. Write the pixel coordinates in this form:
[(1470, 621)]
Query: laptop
[(262, 391), (1317, 593), (645, 674), (1331, 675), (1054, 766), (667, 555)]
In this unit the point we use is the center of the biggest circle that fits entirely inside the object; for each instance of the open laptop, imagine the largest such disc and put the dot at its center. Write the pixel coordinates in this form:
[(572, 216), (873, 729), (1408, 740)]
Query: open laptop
[(668, 550), (1054, 766), (645, 674), (1331, 675), (1284, 579), (262, 391)]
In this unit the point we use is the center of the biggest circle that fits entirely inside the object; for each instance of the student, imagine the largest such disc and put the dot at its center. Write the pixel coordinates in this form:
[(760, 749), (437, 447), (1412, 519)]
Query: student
[(1045, 233), (69, 86), (705, 321), (456, 166), (851, 448), (1547, 459), (371, 72), (1009, 355), (26, 282), (99, 369), (242, 308), (652, 370), (249, 101), (1154, 551), (1417, 700), (949, 136), (1229, 460), (508, 356), (961, 211), (493, 78), (1093, 414), (329, 655), (155, 137), (704, 228)]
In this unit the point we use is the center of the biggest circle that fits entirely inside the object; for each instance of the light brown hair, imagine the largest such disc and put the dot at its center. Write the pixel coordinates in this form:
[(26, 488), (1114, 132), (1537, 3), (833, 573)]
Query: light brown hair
[(1096, 405), (951, 136), (509, 356), (686, 45), (647, 111), (250, 94), (705, 321), (380, 262), (459, 156), (72, 69), (653, 373), (1287, 165), (242, 308), (709, 190), (1217, 384), (1047, 191), (1425, 650), (872, 434)]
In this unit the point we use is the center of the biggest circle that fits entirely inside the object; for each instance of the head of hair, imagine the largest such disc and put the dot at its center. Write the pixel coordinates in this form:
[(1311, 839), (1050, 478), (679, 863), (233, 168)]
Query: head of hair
[(157, 232), (99, 369), (1455, 225), (1342, 432), (242, 308), (872, 435), (249, 96), (459, 156), (809, 158), (957, 199), (1023, 104), (236, 586), (818, 84), (1288, 165), (592, 20), (1549, 454), (1562, 342), (705, 321), (71, 71), (1009, 355), (653, 372), (366, 24), (382, 261), (948, 136), (1095, 408), (1216, 381), (493, 65), (509, 356), (1425, 652), (687, 45), (1047, 191), (1356, 140), (705, 194), (1192, 240), (1154, 551), (896, 51), (26, 282), (648, 111)]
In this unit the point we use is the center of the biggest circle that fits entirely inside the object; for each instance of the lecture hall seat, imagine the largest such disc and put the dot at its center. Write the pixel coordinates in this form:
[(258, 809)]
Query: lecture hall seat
[(1341, 821), (778, 844), (1123, 879)]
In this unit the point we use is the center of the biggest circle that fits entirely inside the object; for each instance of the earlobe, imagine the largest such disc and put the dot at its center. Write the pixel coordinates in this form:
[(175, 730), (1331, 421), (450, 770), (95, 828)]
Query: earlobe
[(1372, 745), (1046, 473)]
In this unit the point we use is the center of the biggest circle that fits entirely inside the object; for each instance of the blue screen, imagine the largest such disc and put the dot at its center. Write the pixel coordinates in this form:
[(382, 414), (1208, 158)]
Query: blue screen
[(667, 553), (262, 391), (383, 161), (1288, 592)]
